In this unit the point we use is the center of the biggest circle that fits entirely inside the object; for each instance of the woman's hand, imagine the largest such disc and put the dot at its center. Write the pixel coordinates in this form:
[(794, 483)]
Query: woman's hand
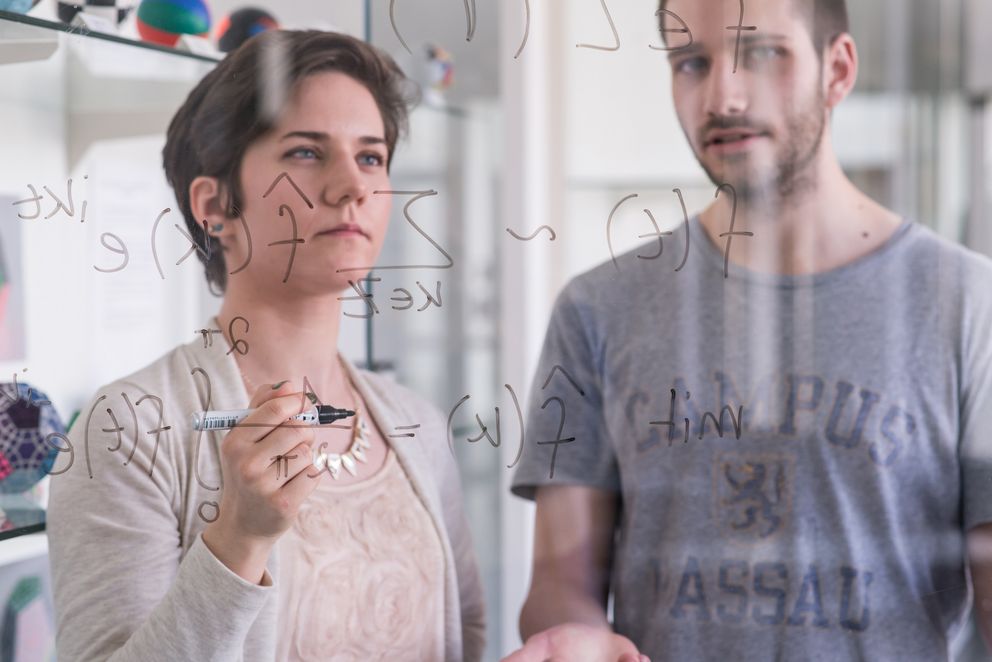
[(576, 642), (264, 462)]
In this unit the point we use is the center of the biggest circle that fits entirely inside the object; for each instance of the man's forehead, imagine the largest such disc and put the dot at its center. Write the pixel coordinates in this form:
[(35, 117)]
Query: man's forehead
[(715, 16)]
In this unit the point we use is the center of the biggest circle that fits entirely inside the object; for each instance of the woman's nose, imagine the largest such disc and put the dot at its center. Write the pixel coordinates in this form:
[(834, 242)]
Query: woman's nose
[(345, 185)]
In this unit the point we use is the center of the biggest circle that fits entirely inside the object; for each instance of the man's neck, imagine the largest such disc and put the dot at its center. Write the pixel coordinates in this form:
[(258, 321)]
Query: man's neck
[(824, 227)]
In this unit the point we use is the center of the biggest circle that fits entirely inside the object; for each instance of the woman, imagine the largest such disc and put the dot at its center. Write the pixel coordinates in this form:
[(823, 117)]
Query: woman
[(269, 541)]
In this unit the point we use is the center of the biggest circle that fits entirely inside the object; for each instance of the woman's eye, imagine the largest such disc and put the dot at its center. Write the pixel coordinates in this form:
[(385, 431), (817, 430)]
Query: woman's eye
[(371, 159), (303, 152)]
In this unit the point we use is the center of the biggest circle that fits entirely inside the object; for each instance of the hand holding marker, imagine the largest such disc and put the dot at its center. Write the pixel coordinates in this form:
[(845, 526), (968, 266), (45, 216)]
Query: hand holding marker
[(255, 509), (226, 419)]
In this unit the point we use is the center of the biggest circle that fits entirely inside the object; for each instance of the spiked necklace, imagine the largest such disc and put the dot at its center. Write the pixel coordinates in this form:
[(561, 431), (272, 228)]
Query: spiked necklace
[(356, 450)]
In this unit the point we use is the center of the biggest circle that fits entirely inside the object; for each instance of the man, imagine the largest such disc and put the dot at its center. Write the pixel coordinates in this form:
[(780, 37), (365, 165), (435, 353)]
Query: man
[(775, 452)]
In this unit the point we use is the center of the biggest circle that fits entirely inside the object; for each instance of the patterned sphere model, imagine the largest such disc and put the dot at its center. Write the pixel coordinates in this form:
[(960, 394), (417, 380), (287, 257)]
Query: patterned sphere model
[(26, 456), (241, 25), (164, 21), (68, 10)]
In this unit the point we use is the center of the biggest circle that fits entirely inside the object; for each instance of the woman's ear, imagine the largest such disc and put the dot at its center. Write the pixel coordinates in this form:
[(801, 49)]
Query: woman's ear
[(208, 201)]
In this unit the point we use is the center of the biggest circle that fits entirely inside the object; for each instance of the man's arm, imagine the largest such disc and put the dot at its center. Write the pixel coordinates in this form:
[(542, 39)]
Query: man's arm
[(979, 541), (573, 548), (564, 616)]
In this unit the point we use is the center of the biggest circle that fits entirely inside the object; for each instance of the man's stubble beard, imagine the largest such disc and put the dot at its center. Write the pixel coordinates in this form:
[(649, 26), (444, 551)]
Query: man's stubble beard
[(794, 173)]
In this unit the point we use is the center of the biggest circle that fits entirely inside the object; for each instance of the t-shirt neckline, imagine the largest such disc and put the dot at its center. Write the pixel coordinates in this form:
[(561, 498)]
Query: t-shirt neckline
[(714, 256)]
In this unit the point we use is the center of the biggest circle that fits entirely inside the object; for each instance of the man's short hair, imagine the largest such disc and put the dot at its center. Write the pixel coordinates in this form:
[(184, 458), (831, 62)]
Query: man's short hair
[(827, 20)]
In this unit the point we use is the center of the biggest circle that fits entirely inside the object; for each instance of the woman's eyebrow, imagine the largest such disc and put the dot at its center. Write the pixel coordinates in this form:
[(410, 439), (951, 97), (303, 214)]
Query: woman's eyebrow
[(321, 136)]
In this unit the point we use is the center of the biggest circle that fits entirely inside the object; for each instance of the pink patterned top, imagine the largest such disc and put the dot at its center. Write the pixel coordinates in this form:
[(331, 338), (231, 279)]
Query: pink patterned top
[(362, 574)]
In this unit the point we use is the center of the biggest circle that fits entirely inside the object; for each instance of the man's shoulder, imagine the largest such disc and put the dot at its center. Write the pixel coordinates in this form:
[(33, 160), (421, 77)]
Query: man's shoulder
[(942, 259), (926, 240)]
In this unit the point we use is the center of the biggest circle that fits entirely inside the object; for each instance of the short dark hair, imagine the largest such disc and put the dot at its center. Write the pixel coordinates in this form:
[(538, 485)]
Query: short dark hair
[(226, 112), (827, 20)]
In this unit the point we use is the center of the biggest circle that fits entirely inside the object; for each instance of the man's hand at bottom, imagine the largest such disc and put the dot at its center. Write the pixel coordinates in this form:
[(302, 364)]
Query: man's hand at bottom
[(574, 642)]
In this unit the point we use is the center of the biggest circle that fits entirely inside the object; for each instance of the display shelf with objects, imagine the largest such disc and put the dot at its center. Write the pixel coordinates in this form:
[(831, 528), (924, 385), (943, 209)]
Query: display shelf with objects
[(17, 33), (84, 115)]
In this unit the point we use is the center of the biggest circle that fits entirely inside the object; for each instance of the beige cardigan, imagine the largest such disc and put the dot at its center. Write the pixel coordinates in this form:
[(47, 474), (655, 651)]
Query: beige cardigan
[(131, 576)]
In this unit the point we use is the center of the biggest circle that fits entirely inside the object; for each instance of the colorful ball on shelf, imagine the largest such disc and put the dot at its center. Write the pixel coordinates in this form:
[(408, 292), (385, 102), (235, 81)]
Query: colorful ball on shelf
[(241, 25), (165, 21), (442, 68), (18, 6), (68, 10), (26, 453)]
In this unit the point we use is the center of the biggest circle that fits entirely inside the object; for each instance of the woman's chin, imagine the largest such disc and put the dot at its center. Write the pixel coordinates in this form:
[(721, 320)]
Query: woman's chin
[(347, 274)]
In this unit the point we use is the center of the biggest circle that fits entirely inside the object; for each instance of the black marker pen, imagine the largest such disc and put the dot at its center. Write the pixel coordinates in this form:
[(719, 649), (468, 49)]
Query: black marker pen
[(226, 419)]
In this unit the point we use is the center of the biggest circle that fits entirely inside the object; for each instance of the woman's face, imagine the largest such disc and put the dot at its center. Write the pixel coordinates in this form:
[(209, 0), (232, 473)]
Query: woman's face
[(329, 142)]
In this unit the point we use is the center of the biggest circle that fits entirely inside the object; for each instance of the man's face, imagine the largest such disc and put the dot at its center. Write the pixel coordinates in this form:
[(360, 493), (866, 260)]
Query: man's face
[(758, 129)]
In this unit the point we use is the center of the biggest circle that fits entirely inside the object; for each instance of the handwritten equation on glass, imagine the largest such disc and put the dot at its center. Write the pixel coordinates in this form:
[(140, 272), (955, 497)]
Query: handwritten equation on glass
[(118, 246), (471, 20), (32, 209), (121, 425), (66, 206)]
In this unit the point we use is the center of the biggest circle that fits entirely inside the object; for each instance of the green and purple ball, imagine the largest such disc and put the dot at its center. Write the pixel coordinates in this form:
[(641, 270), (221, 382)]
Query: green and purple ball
[(165, 21)]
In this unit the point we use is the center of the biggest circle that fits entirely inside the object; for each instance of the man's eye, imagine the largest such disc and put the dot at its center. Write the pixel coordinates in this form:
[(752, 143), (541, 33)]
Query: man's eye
[(691, 66), (764, 53)]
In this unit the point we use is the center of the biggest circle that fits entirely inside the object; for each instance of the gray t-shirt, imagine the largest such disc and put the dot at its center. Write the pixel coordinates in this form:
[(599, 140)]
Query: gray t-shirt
[(831, 527)]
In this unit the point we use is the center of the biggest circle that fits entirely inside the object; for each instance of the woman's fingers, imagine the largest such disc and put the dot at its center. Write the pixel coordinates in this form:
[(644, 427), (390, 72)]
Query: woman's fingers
[(301, 484), (286, 444), (272, 415), (286, 465), (268, 391)]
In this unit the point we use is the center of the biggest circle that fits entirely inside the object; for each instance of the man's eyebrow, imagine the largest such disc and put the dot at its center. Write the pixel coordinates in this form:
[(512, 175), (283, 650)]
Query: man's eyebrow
[(746, 40), (756, 37), (692, 49), (321, 136)]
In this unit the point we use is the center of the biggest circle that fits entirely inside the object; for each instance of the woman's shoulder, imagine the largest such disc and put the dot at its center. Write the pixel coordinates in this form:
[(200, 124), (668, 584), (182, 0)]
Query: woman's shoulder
[(183, 377), (159, 377)]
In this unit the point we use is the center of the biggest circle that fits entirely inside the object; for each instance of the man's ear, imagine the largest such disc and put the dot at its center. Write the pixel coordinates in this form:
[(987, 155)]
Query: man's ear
[(840, 69), (208, 201)]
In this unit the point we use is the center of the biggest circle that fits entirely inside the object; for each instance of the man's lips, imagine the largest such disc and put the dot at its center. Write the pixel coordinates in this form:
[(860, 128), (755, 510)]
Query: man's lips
[(732, 139)]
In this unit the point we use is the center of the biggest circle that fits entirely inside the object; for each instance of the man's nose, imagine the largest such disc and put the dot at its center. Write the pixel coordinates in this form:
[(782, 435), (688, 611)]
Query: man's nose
[(726, 92)]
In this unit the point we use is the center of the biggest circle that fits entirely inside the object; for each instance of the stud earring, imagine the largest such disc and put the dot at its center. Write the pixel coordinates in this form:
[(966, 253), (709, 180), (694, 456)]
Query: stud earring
[(217, 227)]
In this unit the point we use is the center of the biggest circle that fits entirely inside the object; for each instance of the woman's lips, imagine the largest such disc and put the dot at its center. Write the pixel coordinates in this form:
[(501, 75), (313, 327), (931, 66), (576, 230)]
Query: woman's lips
[(342, 232)]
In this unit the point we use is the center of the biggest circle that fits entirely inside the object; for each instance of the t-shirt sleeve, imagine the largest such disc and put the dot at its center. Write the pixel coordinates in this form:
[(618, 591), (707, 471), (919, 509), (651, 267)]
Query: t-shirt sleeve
[(976, 401), (566, 441)]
